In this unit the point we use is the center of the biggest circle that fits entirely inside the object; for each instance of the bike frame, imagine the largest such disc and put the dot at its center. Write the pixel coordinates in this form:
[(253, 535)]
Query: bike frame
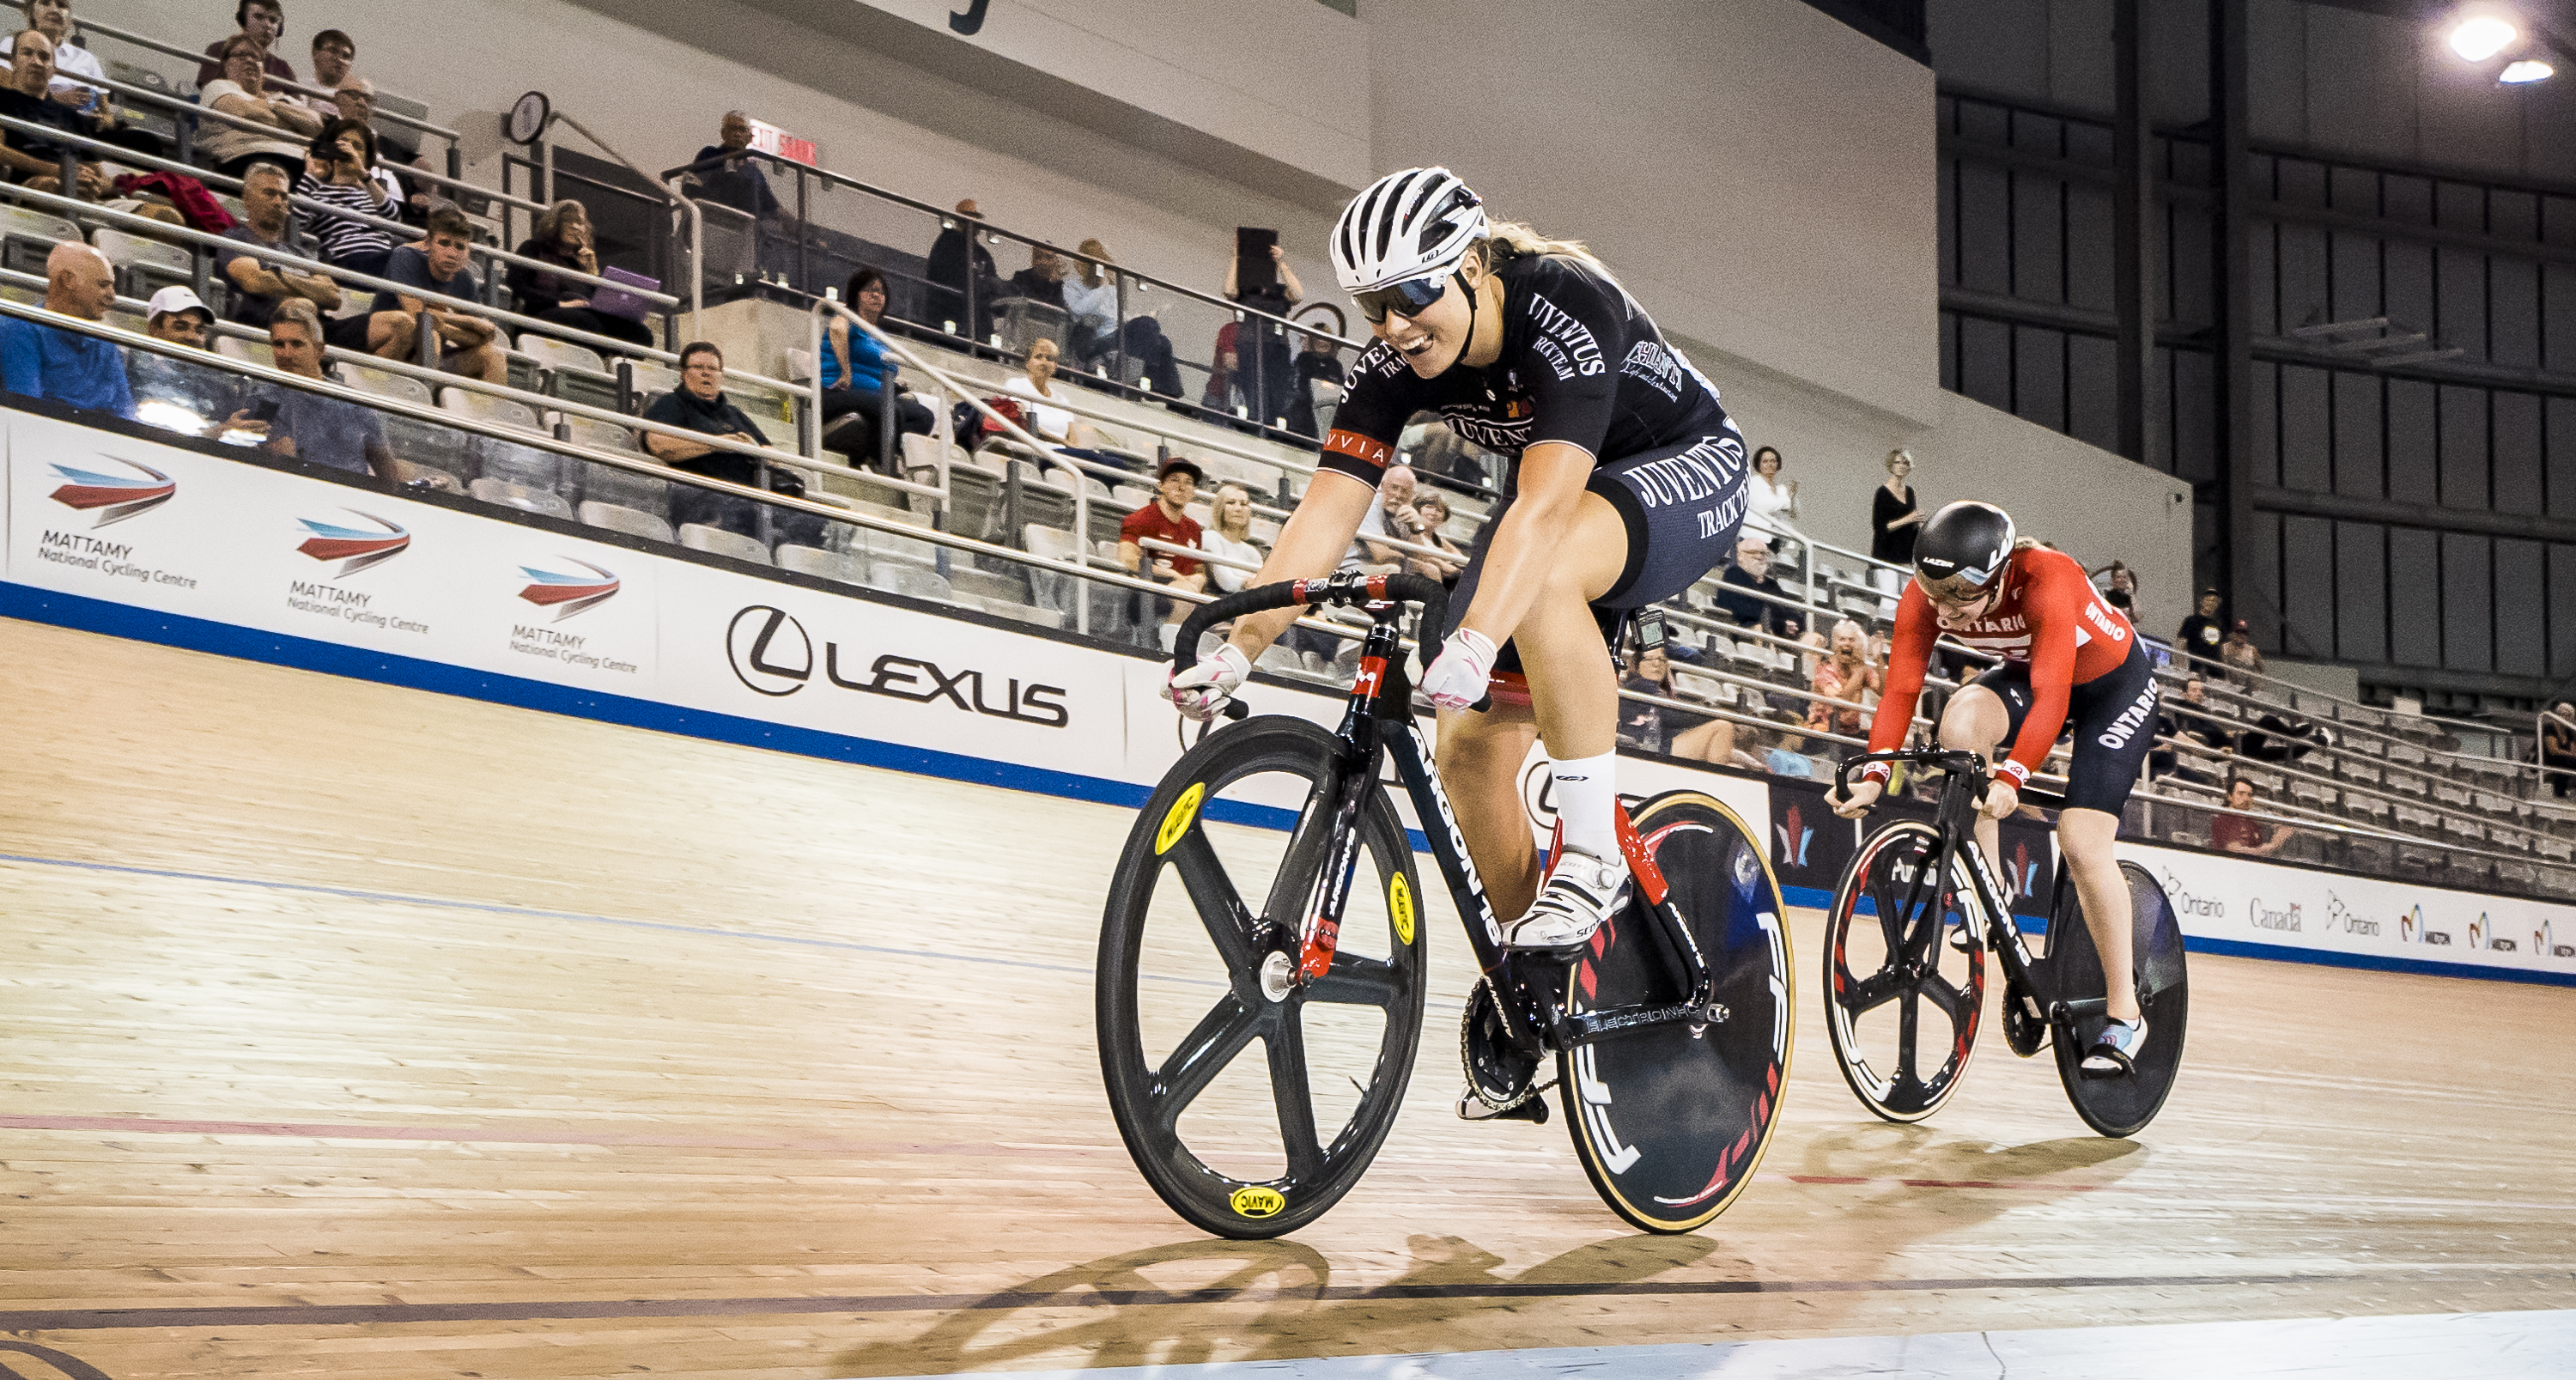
[(1377, 720), (1954, 819)]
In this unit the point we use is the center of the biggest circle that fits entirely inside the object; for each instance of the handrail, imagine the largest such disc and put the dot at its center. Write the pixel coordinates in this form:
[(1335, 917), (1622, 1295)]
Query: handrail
[(118, 153), (83, 24), (83, 210)]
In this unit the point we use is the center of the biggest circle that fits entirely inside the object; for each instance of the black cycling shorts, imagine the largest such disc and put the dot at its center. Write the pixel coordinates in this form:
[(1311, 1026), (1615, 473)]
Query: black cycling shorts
[(1682, 504), (2114, 718)]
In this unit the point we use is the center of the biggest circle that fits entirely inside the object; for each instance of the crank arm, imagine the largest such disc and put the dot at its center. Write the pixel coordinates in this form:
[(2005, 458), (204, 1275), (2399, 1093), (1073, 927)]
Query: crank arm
[(1585, 1027)]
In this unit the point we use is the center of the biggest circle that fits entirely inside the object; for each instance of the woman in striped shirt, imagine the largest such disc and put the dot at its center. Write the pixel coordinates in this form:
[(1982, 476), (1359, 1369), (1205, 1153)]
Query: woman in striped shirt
[(339, 171)]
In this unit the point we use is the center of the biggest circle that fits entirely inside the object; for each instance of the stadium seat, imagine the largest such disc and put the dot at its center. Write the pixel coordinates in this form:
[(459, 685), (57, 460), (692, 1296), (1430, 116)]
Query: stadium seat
[(836, 566), (559, 354), (385, 383), (624, 488), (243, 348), (468, 402), (906, 578), (521, 497), (717, 541), (27, 236), (1014, 610), (630, 521), (145, 265)]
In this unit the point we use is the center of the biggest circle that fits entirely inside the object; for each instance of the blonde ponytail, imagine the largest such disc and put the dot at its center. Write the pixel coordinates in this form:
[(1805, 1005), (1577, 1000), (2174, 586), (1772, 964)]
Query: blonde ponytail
[(1512, 239)]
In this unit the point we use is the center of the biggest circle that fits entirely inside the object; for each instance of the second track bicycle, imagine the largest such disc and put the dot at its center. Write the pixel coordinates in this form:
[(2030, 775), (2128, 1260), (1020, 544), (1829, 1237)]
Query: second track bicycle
[(1268, 894)]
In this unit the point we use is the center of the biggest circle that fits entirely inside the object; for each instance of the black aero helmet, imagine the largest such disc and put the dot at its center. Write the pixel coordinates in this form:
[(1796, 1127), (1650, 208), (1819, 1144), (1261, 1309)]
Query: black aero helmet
[(1962, 547)]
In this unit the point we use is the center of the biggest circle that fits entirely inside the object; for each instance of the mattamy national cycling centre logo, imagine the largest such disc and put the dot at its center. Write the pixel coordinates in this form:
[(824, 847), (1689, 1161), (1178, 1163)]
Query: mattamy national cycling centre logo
[(577, 588), (110, 494), (349, 547)]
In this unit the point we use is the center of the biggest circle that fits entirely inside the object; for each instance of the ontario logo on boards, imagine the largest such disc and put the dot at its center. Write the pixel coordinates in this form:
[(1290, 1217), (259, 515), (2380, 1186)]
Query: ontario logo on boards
[(349, 547), (2185, 903), (773, 655), (112, 495), (568, 592), (2344, 919)]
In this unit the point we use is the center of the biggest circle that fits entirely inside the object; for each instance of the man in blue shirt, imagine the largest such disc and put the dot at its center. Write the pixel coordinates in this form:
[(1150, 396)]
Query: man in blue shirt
[(41, 361)]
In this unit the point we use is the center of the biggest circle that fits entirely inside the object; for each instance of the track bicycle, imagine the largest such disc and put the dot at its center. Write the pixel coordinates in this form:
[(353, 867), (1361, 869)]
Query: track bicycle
[(1910, 924), (1669, 1036)]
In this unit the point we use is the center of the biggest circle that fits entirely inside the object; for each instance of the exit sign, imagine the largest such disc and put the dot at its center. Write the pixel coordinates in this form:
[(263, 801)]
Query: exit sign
[(769, 138)]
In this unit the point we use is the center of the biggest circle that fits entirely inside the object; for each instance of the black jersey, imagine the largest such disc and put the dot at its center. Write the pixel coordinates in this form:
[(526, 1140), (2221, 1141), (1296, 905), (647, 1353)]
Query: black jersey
[(1582, 363)]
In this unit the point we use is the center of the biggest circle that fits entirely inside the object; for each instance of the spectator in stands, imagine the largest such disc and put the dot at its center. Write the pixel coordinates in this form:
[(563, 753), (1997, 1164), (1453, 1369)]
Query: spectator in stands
[(1318, 389), (562, 238), (2201, 633), (855, 369), (725, 173), (2119, 586), (1743, 584), (259, 284), (1276, 375), (53, 19), (1166, 519), (2242, 658), (309, 426), (1844, 674), (260, 21), (1661, 728), (333, 54), (473, 346), (960, 268), (356, 100), (699, 404), (1091, 300), (1231, 538), (1043, 279), (2234, 833), (1041, 413), (2558, 749), (337, 172), (243, 94), (1433, 510), (1771, 503), (170, 392), (1390, 514), (42, 361), (32, 159), (1894, 518)]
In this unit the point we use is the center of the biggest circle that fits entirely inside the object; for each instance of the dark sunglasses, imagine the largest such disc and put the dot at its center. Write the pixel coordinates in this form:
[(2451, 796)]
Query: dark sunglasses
[(1407, 299)]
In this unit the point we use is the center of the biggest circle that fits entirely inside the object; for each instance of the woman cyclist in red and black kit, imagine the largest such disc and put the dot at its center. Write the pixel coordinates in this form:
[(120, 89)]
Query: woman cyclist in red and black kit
[(2068, 657), (1627, 486)]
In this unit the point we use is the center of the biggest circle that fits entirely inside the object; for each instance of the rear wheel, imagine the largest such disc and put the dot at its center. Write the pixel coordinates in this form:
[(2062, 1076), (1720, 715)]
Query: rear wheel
[(1203, 920), (1670, 1120), (2122, 1106), (1901, 1005)]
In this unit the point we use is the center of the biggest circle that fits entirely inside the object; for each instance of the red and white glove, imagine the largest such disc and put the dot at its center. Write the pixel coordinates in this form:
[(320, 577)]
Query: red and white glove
[(1200, 692), (1462, 673)]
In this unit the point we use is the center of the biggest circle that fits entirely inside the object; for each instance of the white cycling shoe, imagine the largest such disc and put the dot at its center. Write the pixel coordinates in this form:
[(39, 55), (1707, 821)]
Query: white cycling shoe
[(2115, 1050), (1581, 892)]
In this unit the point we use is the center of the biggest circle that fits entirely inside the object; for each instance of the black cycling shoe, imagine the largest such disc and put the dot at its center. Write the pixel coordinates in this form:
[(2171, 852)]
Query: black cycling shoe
[(2110, 1055)]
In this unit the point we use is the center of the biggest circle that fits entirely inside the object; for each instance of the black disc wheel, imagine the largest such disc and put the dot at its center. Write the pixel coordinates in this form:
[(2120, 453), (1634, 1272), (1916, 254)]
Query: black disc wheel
[(1250, 1102), (1901, 1004), (1670, 1120), (2124, 1105)]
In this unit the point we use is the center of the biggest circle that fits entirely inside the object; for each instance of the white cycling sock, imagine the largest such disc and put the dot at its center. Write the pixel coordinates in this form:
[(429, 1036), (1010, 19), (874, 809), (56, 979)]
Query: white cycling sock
[(1587, 790)]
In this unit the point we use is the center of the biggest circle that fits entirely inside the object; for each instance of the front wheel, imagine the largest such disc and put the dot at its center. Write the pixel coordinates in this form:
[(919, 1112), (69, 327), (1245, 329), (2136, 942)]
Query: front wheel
[(1901, 1005), (1670, 1120), (1204, 913)]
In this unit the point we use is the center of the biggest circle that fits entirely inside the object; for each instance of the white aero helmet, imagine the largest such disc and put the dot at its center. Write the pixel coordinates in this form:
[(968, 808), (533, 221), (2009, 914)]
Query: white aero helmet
[(1411, 224)]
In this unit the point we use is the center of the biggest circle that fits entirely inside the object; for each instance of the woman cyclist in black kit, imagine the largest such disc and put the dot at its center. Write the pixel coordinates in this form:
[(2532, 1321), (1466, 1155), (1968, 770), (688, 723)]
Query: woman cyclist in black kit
[(1627, 485)]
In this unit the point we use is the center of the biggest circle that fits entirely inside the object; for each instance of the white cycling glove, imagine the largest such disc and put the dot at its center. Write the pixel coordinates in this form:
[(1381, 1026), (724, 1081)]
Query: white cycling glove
[(1201, 691), (1461, 674)]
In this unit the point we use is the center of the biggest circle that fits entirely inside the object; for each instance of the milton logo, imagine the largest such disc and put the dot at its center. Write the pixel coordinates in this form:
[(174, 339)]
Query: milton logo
[(569, 593), (2544, 941), (2482, 935), (1793, 834), (2412, 929), (349, 549), (113, 497)]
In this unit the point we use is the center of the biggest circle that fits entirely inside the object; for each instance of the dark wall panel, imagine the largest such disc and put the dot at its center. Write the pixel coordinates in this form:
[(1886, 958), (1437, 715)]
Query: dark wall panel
[(2303, 278), (2353, 272), (2513, 313), (2039, 376), (2464, 448), (2361, 592), (2039, 237), (2260, 607), (2560, 425), (2414, 453), (2307, 430), (2406, 271), (2267, 423), (2357, 463), (1985, 362), (2521, 609), (2460, 292), (1950, 351), (2092, 391), (1949, 221), (2263, 275), (2516, 448), (2194, 402), (2468, 603), (2562, 609), (2088, 247), (2558, 318), (2308, 587), (2187, 280), (1985, 228), (2414, 597)]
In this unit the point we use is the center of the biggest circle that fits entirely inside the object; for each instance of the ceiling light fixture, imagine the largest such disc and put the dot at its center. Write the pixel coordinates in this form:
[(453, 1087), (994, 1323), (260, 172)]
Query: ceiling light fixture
[(2482, 37), (2527, 70)]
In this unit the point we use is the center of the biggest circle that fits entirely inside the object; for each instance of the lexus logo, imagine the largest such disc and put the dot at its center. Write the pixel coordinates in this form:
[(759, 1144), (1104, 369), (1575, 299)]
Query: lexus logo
[(769, 650)]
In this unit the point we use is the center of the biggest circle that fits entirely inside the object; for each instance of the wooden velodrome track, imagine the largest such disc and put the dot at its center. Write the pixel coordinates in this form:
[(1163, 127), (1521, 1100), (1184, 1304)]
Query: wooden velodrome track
[(357, 1031)]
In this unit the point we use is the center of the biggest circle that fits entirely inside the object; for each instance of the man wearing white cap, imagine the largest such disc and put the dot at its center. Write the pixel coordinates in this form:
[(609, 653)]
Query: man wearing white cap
[(177, 316)]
